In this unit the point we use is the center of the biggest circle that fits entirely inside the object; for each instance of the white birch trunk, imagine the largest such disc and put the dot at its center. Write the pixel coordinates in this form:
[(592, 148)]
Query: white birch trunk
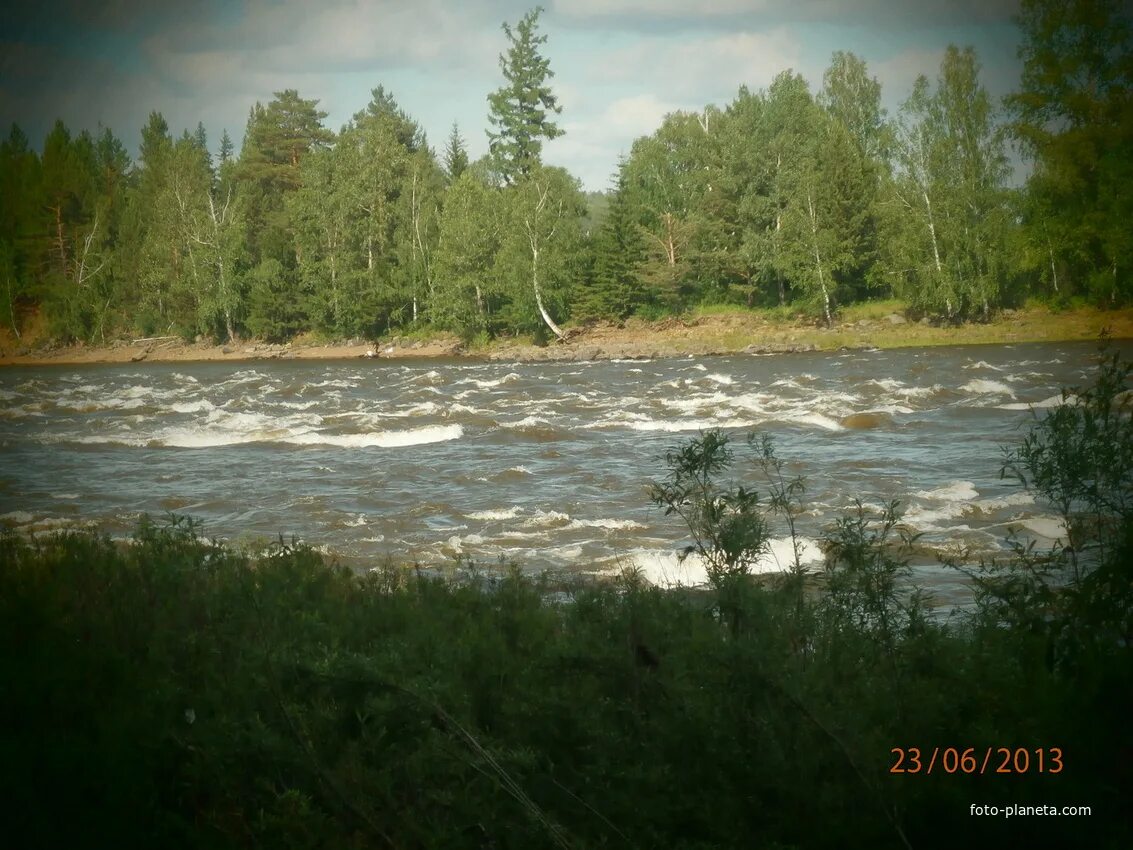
[(818, 259)]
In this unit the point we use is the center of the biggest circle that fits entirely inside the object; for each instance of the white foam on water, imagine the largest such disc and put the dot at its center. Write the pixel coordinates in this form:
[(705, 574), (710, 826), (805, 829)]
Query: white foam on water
[(679, 425), (527, 422), (700, 367), (64, 495), (420, 409), (620, 524), (919, 392), (193, 406), (1050, 527), (955, 490), (726, 380), (358, 521), (521, 535), (817, 419), (695, 403), (1046, 403), (955, 498), (17, 517), (981, 386), (890, 409), (189, 378), (457, 543), (1011, 500), (566, 553), (665, 568), (380, 439), (521, 470), (545, 519), (781, 555), (982, 364), (487, 385), (496, 515), (753, 402), (195, 438), (888, 384)]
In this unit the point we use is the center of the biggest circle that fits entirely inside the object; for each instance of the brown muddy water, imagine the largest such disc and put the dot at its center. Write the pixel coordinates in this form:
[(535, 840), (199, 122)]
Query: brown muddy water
[(544, 464)]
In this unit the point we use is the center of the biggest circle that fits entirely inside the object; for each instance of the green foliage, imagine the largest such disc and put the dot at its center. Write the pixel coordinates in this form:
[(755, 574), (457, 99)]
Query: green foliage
[(1077, 458), (520, 108), (455, 155), (808, 202), (614, 289), (274, 311), (948, 212), (1073, 114)]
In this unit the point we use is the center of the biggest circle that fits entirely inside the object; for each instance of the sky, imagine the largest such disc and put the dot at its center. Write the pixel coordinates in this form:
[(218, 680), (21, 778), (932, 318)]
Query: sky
[(619, 65)]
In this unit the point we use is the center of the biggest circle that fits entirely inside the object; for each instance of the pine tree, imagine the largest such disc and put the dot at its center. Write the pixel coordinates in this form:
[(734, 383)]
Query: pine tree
[(455, 156), (520, 109)]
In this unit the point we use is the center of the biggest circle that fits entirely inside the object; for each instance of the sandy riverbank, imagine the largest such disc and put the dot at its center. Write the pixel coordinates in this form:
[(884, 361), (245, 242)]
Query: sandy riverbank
[(706, 335)]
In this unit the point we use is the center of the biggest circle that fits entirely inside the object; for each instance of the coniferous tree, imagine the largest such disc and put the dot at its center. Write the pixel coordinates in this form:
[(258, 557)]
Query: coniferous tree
[(278, 138), (614, 290), (226, 148), (520, 110), (455, 156)]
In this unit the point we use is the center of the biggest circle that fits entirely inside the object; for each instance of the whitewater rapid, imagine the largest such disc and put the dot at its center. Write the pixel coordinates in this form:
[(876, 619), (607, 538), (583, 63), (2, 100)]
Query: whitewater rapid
[(543, 464)]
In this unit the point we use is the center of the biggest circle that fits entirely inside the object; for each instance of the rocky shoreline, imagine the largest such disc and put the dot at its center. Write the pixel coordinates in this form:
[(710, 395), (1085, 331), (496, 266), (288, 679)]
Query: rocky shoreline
[(634, 340)]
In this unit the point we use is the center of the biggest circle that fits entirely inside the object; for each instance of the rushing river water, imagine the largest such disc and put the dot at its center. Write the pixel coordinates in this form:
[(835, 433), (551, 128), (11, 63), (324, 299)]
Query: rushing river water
[(546, 464)]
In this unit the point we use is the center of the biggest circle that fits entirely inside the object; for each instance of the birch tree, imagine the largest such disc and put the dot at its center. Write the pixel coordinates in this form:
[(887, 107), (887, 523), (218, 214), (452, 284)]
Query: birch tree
[(546, 209)]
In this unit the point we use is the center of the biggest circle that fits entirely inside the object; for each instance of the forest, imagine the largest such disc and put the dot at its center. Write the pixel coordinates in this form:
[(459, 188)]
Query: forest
[(785, 197)]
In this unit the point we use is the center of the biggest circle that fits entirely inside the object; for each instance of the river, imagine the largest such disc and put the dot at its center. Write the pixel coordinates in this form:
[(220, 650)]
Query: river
[(544, 464)]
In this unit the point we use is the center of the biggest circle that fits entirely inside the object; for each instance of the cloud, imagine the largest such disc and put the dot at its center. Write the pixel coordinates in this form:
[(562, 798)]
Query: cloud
[(653, 15), (701, 69), (620, 64), (595, 139)]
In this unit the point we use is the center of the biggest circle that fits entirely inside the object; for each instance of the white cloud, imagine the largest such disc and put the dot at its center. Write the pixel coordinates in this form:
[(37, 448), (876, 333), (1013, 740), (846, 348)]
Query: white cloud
[(702, 69), (594, 140)]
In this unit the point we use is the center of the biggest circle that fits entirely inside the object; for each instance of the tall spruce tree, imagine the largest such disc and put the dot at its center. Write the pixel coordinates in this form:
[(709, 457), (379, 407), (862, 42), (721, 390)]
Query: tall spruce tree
[(455, 156), (520, 110), (614, 290)]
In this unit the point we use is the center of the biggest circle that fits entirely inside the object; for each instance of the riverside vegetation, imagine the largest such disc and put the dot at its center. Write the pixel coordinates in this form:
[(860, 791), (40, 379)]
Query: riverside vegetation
[(785, 199), (179, 693)]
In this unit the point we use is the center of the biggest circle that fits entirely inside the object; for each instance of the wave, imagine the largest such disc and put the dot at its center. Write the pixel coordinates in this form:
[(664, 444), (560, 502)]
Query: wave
[(193, 406), (380, 439), (496, 515), (956, 490), (545, 519), (981, 386), (610, 524), (665, 568), (982, 364), (1046, 403)]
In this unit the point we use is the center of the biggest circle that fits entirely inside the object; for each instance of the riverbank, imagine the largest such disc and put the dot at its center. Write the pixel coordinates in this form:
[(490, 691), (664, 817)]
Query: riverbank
[(731, 332)]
